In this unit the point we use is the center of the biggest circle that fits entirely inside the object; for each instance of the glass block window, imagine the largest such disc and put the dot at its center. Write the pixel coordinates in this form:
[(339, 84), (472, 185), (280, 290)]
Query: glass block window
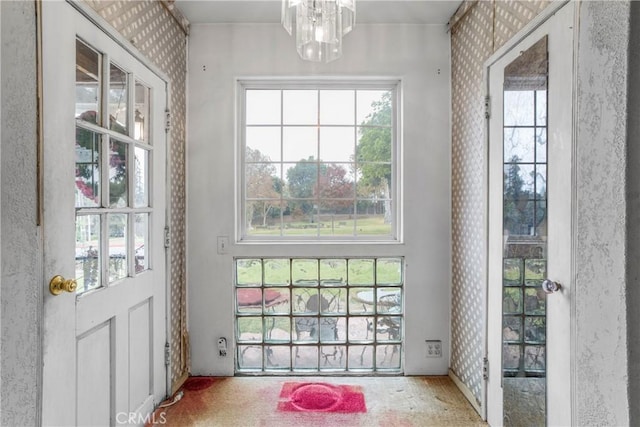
[(319, 315)]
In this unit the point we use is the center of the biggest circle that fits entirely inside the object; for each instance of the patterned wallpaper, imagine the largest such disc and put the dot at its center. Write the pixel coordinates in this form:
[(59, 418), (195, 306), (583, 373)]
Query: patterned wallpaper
[(160, 33), (478, 29)]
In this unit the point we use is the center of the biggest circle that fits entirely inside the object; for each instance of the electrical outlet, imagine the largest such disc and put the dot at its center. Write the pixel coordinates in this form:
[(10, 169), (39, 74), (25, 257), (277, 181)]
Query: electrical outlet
[(222, 347), (434, 348)]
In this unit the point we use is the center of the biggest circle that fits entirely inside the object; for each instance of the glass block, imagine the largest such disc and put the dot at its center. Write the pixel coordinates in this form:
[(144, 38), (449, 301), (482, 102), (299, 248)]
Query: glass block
[(361, 329), (511, 356), (306, 329), (535, 329), (374, 106), (361, 272), (389, 300), (118, 231), (337, 107), (277, 272), (389, 271), (300, 107), (519, 108), (519, 145), (534, 301), (263, 107), (249, 300), (535, 358), (336, 299), (304, 272), (305, 358), (88, 89), (307, 300), (388, 356), (249, 329), (512, 328), (88, 253), (329, 329), (142, 113), (300, 145), (249, 272), (118, 173), (333, 357), (141, 243), (541, 145), (389, 328), (512, 271), (333, 272), (361, 357), (277, 329), (361, 300), (141, 178), (249, 357), (337, 144), (535, 270), (277, 358), (118, 99), (276, 300), (512, 301), (88, 149)]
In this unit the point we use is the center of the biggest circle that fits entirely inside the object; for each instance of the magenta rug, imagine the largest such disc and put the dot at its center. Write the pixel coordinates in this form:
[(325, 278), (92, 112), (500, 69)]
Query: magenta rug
[(321, 397)]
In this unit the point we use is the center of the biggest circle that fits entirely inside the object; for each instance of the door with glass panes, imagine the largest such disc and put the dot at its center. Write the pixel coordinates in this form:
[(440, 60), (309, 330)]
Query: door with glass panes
[(530, 217), (103, 169)]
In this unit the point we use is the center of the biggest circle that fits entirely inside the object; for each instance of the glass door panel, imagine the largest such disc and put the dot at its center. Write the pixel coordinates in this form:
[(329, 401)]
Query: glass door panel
[(524, 237)]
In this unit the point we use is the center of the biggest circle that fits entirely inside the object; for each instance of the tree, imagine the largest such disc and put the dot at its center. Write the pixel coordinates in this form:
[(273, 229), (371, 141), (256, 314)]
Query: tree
[(374, 153), (335, 189), (301, 180), (261, 183)]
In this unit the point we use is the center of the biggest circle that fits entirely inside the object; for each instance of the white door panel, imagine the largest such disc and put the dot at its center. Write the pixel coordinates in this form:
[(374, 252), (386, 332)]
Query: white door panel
[(104, 214), (541, 370)]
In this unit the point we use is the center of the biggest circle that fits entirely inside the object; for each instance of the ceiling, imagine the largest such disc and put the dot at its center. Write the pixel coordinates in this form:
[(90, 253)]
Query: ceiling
[(268, 11)]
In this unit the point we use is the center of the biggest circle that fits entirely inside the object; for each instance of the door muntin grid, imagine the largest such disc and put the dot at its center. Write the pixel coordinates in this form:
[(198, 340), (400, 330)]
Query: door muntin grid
[(319, 315)]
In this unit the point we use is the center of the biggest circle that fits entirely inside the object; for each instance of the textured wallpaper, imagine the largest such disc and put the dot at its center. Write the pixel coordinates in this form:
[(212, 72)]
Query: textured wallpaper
[(160, 34), (479, 29)]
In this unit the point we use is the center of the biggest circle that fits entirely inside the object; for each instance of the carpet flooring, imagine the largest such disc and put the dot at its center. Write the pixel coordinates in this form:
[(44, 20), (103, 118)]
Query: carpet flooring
[(253, 401)]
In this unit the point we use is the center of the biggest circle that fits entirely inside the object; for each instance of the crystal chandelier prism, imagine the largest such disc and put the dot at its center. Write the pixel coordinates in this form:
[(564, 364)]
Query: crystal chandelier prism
[(319, 26)]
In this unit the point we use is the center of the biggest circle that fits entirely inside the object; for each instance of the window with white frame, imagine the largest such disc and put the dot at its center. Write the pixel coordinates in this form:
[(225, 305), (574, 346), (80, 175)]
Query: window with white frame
[(319, 161)]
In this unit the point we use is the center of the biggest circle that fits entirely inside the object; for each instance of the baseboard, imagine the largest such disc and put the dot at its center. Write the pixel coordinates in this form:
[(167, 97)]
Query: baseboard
[(466, 392)]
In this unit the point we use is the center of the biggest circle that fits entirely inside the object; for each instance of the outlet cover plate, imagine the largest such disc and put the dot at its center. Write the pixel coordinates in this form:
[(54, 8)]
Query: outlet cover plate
[(434, 348)]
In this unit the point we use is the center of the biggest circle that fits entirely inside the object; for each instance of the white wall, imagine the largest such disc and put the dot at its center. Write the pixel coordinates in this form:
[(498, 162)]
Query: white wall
[(21, 250), (601, 346), (419, 56)]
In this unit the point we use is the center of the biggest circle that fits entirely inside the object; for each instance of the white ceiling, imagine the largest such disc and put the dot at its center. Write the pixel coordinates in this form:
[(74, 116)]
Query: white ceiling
[(367, 11)]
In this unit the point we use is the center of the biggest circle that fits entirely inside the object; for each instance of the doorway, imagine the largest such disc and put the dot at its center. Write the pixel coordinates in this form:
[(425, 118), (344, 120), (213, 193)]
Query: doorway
[(530, 223)]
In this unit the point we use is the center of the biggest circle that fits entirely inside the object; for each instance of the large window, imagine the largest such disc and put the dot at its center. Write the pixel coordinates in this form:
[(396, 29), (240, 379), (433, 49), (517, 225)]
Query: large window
[(319, 161)]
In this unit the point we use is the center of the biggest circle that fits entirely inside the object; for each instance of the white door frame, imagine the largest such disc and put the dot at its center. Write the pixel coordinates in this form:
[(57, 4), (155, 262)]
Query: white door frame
[(526, 31), (102, 25)]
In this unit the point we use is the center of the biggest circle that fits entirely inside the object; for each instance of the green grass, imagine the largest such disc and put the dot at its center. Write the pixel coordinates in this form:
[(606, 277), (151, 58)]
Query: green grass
[(282, 271), (366, 226)]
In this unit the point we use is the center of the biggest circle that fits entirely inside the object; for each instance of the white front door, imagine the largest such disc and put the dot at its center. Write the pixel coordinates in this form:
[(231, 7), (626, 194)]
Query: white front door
[(530, 211), (103, 169)]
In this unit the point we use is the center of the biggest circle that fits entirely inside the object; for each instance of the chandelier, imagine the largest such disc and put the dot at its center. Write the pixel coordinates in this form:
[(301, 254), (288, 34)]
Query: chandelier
[(320, 25)]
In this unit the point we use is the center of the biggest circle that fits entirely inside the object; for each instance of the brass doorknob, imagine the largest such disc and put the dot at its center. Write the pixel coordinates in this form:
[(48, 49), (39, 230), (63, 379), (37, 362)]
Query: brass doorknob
[(59, 284)]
